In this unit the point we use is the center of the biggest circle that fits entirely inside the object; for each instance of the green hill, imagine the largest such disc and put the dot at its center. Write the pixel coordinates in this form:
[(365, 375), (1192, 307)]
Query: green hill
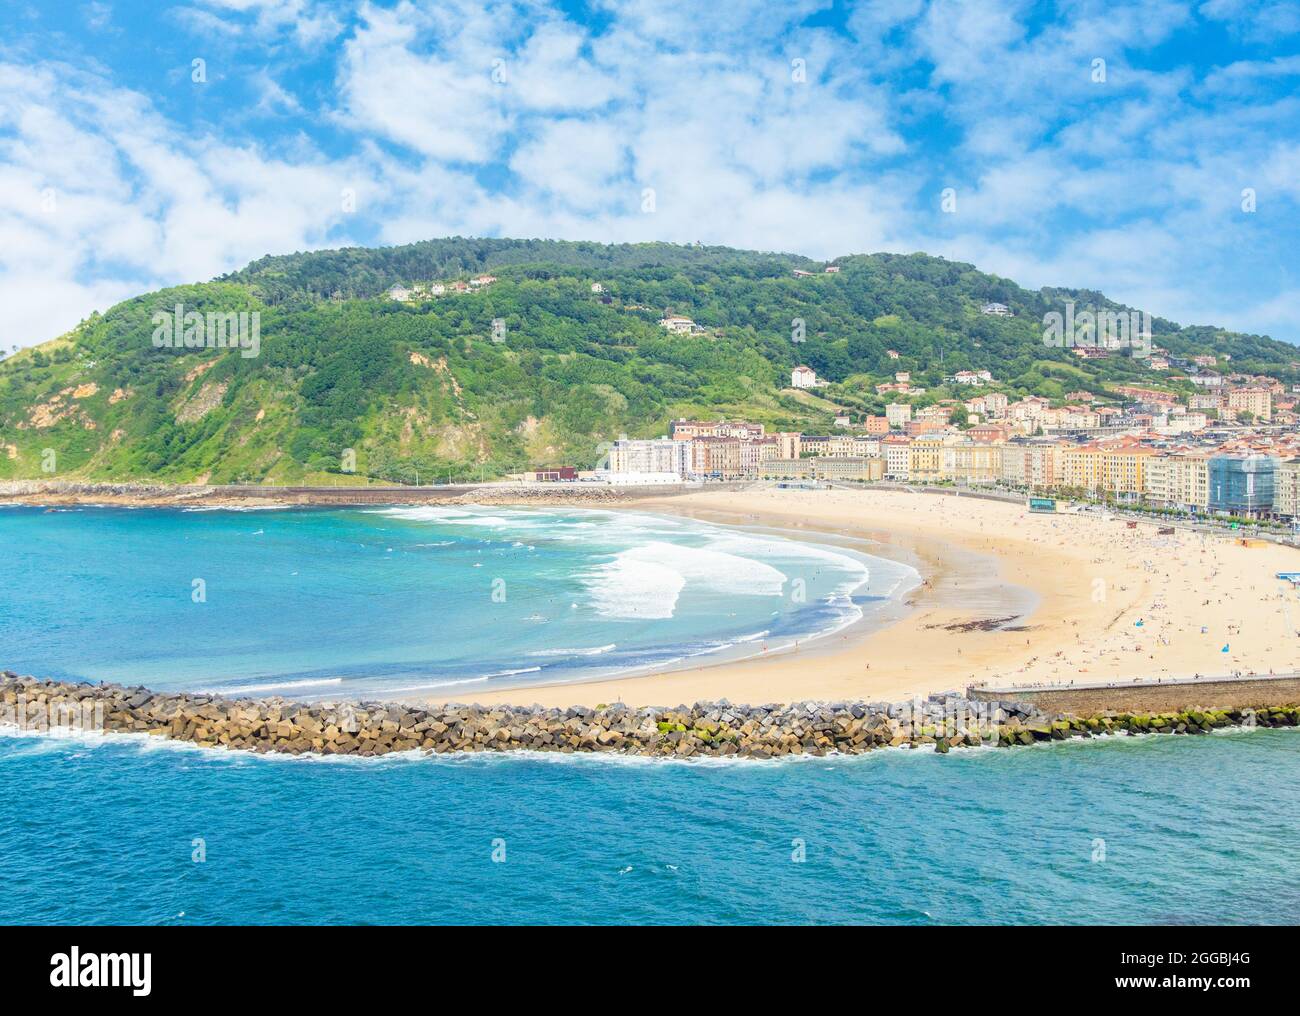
[(424, 384)]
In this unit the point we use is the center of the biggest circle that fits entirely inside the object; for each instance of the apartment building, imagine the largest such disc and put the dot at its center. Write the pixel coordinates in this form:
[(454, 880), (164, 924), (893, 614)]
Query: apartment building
[(1179, 480), (844, 446), (971, 462), (687, 430), (1112, 468), (895, 449), (1258, 401), (788, 444), (814, 444), (1286, 488), (925, 459), (655, 455), (716, 456), (753, 453), (1032, 465), (992, 404), (803, 376), (898, 413)]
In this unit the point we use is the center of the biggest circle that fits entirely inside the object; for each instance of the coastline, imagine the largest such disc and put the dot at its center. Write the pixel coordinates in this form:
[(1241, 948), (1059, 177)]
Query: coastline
[(1091, 581), (1007, 597)]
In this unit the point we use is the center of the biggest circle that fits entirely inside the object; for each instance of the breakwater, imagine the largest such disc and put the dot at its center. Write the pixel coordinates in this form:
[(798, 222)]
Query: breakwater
[(718, 729)]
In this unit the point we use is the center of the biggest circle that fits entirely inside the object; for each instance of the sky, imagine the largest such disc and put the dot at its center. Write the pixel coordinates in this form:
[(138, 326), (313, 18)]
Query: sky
[(1149, 150)]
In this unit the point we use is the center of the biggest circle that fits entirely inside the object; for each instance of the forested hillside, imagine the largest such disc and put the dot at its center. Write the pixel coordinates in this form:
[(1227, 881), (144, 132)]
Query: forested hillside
[(346, 376)]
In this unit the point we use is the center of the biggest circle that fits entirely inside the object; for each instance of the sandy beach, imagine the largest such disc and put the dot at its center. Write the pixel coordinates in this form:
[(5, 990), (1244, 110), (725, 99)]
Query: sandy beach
[(1068, 597)]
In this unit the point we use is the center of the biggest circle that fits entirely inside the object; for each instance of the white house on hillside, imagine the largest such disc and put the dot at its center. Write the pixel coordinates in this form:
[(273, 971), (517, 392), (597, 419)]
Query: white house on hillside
[(803, 377), (679, 325), (970, 377)]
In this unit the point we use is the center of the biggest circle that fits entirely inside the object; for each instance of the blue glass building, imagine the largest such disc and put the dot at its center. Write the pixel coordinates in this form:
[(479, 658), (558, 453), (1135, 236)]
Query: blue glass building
[(1241, 484)]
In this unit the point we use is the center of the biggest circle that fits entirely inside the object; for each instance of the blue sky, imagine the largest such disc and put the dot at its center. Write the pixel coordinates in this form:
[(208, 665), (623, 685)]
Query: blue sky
[(824, 128)]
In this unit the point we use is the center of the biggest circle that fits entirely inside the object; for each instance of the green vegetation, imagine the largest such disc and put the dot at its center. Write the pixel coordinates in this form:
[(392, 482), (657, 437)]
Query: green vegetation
[(422, 386)]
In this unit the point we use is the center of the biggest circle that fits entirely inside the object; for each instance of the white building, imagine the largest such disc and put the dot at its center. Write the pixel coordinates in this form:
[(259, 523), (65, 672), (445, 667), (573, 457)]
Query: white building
[(898, 456), (650, 456), (803, 377), (970, 377), (898, 413), (679, 325), (996, 309)]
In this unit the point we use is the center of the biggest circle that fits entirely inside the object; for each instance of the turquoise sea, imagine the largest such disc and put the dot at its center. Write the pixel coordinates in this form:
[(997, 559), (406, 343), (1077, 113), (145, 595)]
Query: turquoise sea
[(407, 601), (321, 603)]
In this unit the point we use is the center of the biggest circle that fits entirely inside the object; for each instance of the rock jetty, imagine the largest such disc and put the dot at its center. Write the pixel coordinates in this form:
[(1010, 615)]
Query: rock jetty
[(706, 729)]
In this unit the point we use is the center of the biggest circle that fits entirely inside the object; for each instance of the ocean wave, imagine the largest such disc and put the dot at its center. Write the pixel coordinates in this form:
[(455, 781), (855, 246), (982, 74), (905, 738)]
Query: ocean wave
[(645, 582), (783, 550), (272, 686), (593, 651), (512, 673)]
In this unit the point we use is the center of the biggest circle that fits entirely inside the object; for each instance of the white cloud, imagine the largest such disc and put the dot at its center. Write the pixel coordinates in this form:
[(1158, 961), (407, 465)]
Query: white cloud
[(102, 198), (442, 105)]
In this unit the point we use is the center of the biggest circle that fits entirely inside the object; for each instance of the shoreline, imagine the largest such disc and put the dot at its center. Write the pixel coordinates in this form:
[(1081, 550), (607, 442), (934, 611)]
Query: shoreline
[(1006, 597), (37, 493)]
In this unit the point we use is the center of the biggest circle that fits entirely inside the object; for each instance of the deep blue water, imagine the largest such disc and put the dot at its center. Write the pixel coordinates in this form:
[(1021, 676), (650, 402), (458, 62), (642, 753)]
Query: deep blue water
[(1195, 830), (402, 601)]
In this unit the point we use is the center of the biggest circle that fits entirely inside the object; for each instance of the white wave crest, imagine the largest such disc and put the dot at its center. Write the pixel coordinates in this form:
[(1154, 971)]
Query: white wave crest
[(594, 651), (273, 686), (645, 582)]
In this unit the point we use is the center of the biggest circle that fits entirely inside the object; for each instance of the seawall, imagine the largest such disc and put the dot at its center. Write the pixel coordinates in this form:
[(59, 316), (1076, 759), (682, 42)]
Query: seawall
[(1147, 696)]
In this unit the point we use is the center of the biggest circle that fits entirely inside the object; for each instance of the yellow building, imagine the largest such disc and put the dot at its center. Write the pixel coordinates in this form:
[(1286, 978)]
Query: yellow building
[(925, 459), (970, 462), (1110, 469)]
